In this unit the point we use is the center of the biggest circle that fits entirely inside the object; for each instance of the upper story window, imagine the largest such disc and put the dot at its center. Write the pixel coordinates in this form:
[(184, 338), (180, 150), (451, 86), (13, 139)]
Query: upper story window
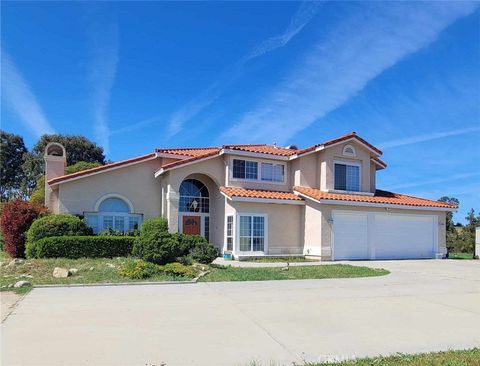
[(252, 170), (273, 172), (245, 169), (347, 177)]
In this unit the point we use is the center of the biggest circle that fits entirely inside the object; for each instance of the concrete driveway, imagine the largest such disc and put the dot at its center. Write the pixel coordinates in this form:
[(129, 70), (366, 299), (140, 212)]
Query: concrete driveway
[(421, 306)]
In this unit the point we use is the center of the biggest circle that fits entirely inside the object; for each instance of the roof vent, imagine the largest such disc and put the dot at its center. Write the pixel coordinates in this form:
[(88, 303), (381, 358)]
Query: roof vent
[(292, 147)]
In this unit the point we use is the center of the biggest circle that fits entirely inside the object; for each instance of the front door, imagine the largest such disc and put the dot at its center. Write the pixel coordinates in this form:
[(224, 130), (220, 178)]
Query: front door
[(191, 225)]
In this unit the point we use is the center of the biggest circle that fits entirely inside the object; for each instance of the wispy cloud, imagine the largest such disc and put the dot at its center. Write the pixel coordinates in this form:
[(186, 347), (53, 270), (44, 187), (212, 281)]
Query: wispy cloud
[(136, 126), (300, 19), (426, 137), (105, 45), (353, 53), (19, 97), (446, 179)]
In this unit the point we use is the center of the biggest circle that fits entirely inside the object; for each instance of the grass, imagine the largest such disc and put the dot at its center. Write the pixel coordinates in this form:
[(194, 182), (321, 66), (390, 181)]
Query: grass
[(459, 255), (280, 259), (227, 273), (470, 357), (90, 270)]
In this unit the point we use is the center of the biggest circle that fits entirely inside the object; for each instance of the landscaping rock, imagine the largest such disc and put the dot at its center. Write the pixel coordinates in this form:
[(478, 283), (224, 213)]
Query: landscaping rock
[(73, 271), (22, 284), (59, 272), (91, 268), (10, 286), (26, 276), (110, 265), (15, 262)]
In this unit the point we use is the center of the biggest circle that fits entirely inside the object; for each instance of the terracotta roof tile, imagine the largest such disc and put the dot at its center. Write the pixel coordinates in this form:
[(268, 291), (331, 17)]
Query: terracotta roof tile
[(187, 151), (257, 193), (100, 168), (340, 139), (379, 197), (263, 149), (212, 152)]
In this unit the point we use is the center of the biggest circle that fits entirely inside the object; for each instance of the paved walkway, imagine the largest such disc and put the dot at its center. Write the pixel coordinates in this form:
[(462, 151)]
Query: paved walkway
[(421, 306)]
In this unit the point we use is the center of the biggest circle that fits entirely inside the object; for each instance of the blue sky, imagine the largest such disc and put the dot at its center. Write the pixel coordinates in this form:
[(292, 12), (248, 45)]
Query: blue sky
[(136, 76)]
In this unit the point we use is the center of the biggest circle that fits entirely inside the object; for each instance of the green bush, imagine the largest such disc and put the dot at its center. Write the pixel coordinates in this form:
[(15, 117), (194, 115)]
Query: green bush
[(80, 247), (198, 248), (57, 225), (156, 224), (157, 247), (178, 269), (140, 270)]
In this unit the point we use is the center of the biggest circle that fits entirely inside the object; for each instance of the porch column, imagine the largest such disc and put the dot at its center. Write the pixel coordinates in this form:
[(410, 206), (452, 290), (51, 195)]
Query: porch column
[(172, 209)]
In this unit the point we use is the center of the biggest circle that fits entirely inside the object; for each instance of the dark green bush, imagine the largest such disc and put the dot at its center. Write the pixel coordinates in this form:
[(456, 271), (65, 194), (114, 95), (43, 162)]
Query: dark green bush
[(158, 247), (156, 224), (198, 248), (80, 247), (140, 270), (57, 225)]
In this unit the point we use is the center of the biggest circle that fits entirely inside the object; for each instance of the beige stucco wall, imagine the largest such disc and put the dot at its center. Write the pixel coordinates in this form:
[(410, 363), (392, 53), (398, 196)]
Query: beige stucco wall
[(135, 182), (285, 224), (306, 171), (315, 211)]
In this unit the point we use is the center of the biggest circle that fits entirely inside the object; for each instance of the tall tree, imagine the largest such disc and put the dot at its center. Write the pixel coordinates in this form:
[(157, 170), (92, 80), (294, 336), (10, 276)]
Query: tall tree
[(452, 234), (12, 150), (78, 148)]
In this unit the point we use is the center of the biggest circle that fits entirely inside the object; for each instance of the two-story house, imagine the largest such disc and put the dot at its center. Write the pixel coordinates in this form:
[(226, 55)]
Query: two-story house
[(258, 199)]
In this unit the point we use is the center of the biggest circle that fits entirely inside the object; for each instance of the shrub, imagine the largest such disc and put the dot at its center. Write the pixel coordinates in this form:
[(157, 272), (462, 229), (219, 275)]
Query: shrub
[(111, 232), (79, 166), (178, 269), (198, 248), (158, 247), (57, 225), (16, 218), (81, 247), (157, 224), (140, 270)]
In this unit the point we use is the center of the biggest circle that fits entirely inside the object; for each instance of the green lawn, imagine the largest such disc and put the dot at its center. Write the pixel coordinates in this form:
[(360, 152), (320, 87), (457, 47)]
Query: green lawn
[(90, 270), (280, 259), (227, 273), (469, 357), (458, 255)]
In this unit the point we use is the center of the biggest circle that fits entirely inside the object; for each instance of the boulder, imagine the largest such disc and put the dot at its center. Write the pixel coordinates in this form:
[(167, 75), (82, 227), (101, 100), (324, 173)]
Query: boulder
[(15, 262), (59, 272), (22, 284), (73, 271)]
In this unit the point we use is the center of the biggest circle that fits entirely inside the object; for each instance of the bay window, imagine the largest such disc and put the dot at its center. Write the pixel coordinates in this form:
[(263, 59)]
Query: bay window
[(347, 177)]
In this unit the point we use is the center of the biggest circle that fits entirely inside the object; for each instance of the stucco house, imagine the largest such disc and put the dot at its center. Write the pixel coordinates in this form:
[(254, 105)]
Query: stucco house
[(258, 199)]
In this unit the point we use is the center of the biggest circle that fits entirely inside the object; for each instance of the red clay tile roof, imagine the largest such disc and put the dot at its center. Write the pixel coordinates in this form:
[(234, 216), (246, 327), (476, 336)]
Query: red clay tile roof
[(212, 152), (381, 162), (340, 139), (263, 149), (379, 197), (257, 193), (187, 151), (100, 168)]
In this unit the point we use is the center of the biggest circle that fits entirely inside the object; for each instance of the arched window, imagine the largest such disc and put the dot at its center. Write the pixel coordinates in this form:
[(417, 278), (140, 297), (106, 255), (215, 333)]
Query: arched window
[(113, 213), (113, 205), (194, 197), (349, 150)]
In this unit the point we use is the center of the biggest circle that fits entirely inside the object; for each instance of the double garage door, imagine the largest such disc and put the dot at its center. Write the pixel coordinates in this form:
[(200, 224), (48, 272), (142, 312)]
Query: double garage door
[(383, 235)]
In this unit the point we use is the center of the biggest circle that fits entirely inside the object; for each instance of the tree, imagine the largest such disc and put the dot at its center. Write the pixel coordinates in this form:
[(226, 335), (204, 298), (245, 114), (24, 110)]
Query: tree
[(12, 150), (78, 148)]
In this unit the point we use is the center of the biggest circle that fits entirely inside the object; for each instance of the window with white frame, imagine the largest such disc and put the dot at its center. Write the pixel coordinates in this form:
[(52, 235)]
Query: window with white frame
[(252, 170), (252, 233), (113, 213), (347, 177), (273, 172), (229, 232), (245, 169)]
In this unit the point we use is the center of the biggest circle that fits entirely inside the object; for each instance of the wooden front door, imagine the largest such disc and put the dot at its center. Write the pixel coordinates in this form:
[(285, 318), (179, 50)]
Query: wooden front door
[(191, 225)]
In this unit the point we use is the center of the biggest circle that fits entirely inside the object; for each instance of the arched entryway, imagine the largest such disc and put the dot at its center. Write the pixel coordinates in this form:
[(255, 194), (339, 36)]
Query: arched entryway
[(194, 208)]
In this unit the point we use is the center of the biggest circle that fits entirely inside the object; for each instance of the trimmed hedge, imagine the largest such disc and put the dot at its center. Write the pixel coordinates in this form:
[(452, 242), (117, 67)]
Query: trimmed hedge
[(156, 224), (74, 247), (57, 225)]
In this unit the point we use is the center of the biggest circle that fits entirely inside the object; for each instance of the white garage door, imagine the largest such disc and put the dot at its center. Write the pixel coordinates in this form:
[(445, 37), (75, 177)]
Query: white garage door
[(379, 235)]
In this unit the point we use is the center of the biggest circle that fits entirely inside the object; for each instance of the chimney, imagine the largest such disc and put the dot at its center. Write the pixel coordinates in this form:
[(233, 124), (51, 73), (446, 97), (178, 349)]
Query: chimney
[(55, 162)]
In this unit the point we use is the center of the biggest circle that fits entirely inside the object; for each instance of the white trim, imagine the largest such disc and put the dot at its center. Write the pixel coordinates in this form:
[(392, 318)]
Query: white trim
[(236, 242), (113, 195), (353, 154), (380, 164), (162, 170), (103, 170), (259, 172), (256, 155), (354, 139), (267, 200), (225, 236)]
